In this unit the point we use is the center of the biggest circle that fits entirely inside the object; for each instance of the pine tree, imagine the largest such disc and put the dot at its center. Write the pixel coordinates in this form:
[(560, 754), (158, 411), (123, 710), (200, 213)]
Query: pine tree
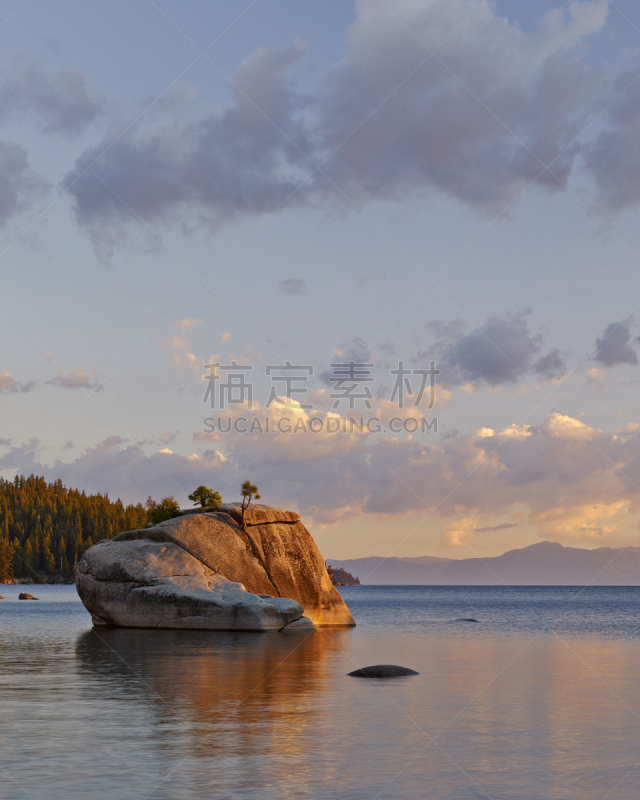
[(249, 492), (6, 561), (28, 554), (41, 518), (206, 498), (167, 508)]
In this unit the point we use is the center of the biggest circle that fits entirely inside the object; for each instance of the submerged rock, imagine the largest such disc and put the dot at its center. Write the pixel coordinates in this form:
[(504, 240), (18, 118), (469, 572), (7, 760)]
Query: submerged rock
[(302, 625), (26, 596), (204, 571), (382, 671)]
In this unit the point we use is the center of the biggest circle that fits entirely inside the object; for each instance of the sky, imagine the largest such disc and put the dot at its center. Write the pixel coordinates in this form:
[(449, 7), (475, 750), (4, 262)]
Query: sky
[(436, 192)]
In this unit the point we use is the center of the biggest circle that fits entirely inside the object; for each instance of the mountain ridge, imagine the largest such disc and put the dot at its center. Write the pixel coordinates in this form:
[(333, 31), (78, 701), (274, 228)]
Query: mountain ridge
[(540, 564)]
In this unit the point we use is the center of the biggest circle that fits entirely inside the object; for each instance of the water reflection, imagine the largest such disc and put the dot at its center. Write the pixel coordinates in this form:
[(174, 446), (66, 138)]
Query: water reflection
[(247, 704), (495, 711)]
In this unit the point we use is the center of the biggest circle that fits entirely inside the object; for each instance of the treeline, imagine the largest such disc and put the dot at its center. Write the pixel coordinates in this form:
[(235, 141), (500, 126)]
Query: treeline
[(340, 577), (45, 527)]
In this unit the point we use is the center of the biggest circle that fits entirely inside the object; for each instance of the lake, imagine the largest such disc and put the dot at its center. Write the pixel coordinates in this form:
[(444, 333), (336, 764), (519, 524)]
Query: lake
[(539, 699)]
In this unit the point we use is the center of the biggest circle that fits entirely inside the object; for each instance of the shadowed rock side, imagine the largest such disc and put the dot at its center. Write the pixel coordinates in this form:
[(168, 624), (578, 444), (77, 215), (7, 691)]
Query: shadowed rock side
[(204, 571)]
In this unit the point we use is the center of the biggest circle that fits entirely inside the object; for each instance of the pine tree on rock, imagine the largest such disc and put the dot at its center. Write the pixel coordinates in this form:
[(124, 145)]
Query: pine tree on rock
[(207, 498), (249, 492)]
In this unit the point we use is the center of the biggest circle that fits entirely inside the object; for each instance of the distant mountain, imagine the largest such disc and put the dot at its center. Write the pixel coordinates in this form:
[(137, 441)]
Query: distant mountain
[(542, 564)]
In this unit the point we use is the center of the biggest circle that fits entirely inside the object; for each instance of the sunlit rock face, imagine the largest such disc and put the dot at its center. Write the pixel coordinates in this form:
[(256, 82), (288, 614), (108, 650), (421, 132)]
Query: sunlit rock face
[(203, 571)]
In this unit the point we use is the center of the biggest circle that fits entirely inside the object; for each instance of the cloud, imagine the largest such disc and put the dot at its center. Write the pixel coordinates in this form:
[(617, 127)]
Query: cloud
[(562, 478), (9, 386), (123, 470), (76, 379), (293, 286), (478, 122), (613, 346), (187, 324), (355, 350), (217, 167), (178, 96), (459, 534), (201, 365), (179, 341), (20, 186), (551, 366), (613, 157), (109, 443), (500, 351), (595, 377), (502, 527), (358, 351), (19, 455), (176, 342), (61, 100)]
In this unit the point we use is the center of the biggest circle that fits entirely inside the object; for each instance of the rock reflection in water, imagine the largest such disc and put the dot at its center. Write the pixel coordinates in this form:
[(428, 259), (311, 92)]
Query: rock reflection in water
[(226, 697)]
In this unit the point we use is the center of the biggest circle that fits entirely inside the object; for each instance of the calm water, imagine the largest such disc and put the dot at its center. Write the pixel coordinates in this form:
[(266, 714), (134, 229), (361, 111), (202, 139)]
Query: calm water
[(540, 699)]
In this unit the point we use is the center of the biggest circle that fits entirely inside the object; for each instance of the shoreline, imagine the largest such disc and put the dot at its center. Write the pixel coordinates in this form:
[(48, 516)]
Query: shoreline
[(41, 582)]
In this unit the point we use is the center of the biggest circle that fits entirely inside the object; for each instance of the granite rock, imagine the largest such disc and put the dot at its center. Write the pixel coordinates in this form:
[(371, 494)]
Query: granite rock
[(189, 571), (146, 584)]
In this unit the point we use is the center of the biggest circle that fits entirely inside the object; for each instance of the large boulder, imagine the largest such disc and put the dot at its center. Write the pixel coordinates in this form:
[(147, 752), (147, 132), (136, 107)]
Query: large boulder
[(146, 584), (203, 571)]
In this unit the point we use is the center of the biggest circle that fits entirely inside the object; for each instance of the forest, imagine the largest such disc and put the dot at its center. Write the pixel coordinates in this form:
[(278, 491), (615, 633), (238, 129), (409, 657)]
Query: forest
[(340, 577), (45, 527)]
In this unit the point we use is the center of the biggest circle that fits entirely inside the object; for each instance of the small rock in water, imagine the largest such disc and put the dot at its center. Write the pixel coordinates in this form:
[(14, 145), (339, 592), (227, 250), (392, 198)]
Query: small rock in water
[(382, 671), (466, 619), (301, 625), (26, 596)]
